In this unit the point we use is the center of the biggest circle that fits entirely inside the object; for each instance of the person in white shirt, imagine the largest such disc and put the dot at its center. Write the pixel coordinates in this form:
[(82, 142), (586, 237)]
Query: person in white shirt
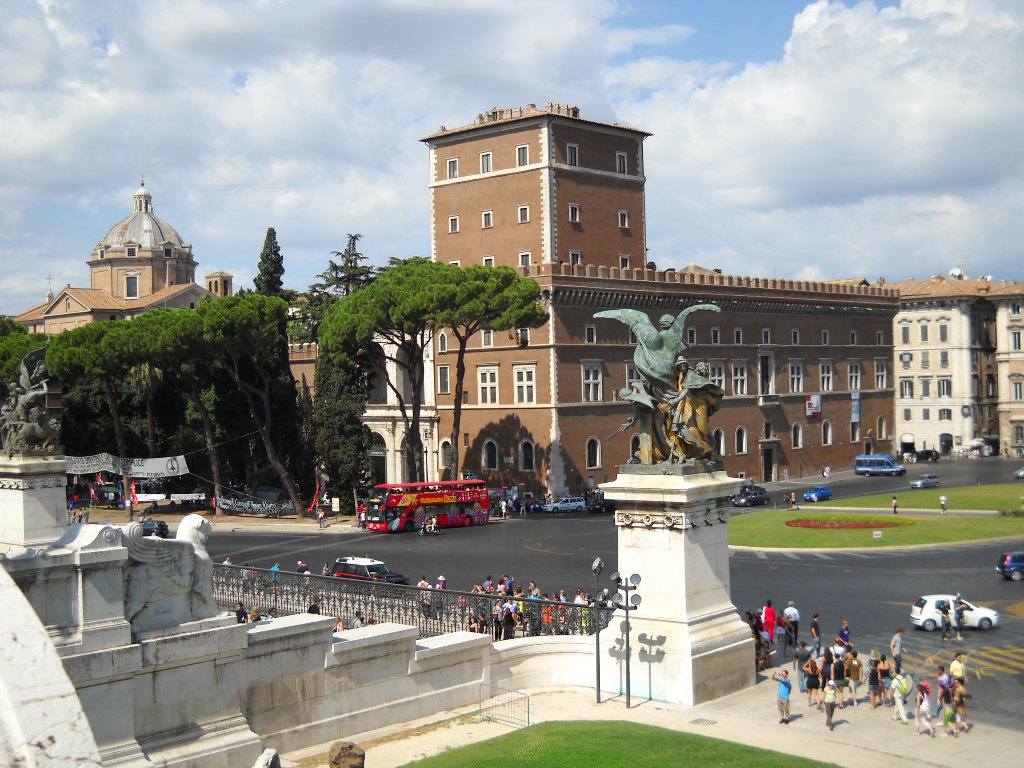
[(793, 615), (227, 561)]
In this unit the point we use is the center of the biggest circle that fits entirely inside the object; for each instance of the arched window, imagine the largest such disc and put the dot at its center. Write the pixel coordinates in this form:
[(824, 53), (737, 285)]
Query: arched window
[(442, 342), (446, 455), (718, 438), (526, 461), (634, 446), (883, 429), (490, 457), (798, 436), (741, 439), (826, 433), (593, 453)]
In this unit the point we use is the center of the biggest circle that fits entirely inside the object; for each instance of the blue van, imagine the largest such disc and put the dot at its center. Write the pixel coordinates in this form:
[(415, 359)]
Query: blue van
[(878, 464)]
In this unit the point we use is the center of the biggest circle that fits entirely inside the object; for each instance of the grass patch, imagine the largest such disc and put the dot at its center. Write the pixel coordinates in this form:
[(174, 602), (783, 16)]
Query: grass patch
[(608, 745), (995, 498), (768, 529)]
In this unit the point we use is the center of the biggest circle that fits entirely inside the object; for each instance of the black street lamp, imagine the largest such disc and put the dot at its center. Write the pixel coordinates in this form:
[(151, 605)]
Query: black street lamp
[(597, 567), (627, 603)]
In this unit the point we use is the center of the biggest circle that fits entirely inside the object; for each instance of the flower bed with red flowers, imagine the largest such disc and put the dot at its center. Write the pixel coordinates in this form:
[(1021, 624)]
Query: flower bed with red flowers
[(831, 523)]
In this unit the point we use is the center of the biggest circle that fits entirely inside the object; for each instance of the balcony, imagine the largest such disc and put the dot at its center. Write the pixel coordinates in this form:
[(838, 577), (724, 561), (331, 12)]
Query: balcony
[(768, 400)]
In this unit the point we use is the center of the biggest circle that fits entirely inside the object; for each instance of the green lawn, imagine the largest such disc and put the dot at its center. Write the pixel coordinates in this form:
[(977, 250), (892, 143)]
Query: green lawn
[(1007, 496), (607, 745), (768, 529)]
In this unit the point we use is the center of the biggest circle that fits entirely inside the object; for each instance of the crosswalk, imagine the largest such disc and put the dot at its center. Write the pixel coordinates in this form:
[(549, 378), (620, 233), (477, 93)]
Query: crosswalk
[(986, 661)]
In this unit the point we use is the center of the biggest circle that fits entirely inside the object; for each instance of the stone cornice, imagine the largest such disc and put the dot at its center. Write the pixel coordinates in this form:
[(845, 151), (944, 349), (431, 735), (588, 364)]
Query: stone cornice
[(682, 521)]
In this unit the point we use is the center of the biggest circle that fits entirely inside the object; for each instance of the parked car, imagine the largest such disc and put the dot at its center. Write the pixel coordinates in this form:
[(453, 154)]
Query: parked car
[(365, 569), (818, 493), (925, 613), (1011, 565), (750, 496), (1019, 474), (925, 481), (155, 528), (567, 504), (927, 454), (607, 505)]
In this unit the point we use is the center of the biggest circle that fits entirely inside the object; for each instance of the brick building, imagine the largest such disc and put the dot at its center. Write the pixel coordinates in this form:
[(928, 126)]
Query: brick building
[(806, 366)]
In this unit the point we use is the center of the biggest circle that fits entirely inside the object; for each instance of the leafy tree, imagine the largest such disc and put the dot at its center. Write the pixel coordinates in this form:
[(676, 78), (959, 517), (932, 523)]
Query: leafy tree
[(268, 281), (246, 335), (341, 278), (491, 298), (396, 310)]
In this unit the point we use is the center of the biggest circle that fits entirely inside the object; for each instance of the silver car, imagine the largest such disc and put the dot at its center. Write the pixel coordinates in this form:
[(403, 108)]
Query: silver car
[(925, 481)]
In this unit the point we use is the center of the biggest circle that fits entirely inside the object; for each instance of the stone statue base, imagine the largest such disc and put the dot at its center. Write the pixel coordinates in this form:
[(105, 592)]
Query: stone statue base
[(688, 643), (33, 504)]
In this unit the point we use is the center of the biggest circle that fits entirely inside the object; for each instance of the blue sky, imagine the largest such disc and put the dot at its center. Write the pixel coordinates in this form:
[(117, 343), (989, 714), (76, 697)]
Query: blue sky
[(790, 139)]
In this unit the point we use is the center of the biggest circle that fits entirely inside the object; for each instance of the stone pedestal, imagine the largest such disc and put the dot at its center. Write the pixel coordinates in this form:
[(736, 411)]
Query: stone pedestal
[(688, 643), (33, 505)]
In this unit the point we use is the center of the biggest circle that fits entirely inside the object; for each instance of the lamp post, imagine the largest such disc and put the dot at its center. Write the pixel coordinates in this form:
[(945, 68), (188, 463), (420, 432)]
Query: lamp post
[(627, 603), (597, 567)]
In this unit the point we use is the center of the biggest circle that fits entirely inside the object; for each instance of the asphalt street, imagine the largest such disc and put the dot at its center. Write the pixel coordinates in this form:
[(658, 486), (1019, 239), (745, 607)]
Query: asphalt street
[(873, 590)]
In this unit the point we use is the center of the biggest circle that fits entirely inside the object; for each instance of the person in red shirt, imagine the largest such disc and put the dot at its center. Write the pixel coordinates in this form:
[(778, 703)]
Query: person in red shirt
[(768, 617)]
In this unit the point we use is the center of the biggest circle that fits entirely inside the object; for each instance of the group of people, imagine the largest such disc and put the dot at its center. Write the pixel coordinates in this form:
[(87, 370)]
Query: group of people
[(832, 675)]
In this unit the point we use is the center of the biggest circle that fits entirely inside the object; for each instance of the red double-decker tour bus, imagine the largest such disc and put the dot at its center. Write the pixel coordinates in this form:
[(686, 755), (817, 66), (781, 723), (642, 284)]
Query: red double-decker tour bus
[(405, 506)]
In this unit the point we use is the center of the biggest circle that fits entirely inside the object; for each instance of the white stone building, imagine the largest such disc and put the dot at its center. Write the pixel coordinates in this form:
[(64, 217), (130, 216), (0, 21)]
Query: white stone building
[(1009, 302)]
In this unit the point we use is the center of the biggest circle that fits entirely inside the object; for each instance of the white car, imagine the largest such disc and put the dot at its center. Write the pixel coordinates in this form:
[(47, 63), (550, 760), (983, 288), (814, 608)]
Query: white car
[(1019, 474), (567, 504), (925, 614)]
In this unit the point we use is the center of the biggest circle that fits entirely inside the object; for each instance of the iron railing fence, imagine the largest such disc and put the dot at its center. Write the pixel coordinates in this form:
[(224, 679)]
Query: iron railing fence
[(431, 611), (504, 706)]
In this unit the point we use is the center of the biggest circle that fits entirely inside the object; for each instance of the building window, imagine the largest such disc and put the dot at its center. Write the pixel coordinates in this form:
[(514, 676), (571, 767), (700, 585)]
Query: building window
[(102, 253), (131, 252), (485, 162), (487, 219), (446, 455), (854, 431), (718, 441), (525, 378), (590, 334), (737, 335), (1018, 390), (487, 338), (488, 378), (906, 389), (766, 335), (443, 380), (524, 259), (906, 414), (798, 436), (880, 338), (453, 224), (490, 457), (881, 374), (882, 428), (621, 164), (905, 334), (523, 337), (522, 155), (488, 261), (168, 253), (795, 336), (853, 337), (796, 377), (741, 439), (131, 287), (945, 388), (691, 336), (906, 358), (623, 261), (826, 433), (924, 332), (825, 337), (1018, 430), (592, 384), (442, 342), (575, 258), (925, 361), (716, 336), (739, 378), (716, 375), (926, 388), (945, 414), (926, 414), (572, 154), (593, 453), (943, 332), (624, 219), (1015, 341), (574, 212), (526, 453), (943, 359), (826, 377), (524, 214)]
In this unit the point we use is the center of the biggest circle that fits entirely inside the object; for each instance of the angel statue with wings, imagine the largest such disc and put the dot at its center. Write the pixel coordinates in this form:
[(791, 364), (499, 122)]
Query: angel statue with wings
[(666, 389)]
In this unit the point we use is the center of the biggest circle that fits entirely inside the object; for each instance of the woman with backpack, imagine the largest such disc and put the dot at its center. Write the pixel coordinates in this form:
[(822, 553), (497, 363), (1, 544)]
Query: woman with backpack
[(813, 681), (921, 715)]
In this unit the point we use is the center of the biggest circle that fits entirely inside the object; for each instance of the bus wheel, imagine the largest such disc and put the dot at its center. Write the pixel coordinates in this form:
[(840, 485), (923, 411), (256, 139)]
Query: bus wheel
[(409, 525), (468, 521)]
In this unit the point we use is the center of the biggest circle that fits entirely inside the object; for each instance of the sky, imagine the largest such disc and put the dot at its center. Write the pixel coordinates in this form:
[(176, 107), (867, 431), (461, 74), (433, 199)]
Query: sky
[(790, 139)]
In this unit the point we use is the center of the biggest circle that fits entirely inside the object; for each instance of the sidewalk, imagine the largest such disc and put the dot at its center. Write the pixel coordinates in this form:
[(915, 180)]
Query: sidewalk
[(863, 738)]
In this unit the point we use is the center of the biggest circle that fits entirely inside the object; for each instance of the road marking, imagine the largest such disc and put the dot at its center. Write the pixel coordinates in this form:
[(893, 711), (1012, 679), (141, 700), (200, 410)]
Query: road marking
[(792, 555), (821, 555), (984, 660), (761, 555), (1017, 609)]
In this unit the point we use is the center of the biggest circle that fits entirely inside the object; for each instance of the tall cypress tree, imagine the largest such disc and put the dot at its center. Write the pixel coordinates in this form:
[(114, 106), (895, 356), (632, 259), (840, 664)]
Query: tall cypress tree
[(271, 268)]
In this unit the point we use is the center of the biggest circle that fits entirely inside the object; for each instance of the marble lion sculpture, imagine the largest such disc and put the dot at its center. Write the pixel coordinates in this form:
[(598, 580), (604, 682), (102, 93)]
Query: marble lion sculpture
[(168, 581)]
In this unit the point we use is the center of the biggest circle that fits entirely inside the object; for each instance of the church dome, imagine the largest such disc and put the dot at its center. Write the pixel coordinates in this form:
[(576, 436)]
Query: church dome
[(142, 227)]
